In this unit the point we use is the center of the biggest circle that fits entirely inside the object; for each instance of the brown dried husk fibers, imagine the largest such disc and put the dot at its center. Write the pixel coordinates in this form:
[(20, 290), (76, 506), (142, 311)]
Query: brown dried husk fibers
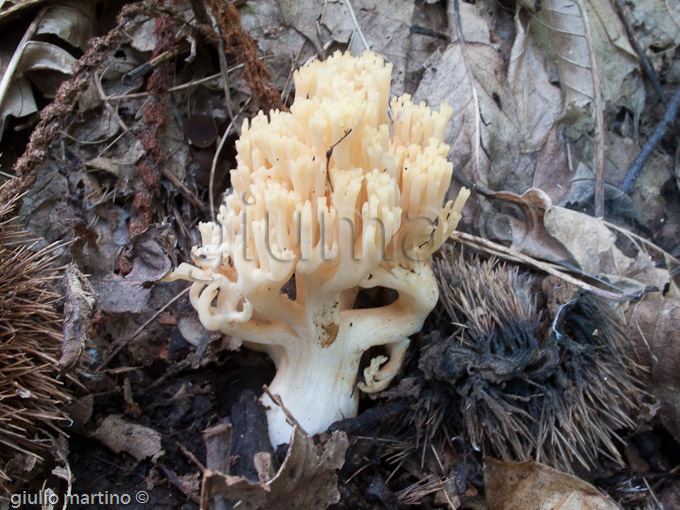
[(31, 396)]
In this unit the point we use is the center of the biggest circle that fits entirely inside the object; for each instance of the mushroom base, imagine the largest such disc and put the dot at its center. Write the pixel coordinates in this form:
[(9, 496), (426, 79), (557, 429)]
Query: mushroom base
[(316, 385)]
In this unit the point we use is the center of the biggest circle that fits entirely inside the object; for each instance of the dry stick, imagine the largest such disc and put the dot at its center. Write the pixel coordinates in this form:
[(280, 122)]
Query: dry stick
[(182, 187), (636, 167), (140, 329), (644, 60), (213, 167), (225, 78), (289, 417), (510, 254), (348, 4), (599, 116), (216, 157)]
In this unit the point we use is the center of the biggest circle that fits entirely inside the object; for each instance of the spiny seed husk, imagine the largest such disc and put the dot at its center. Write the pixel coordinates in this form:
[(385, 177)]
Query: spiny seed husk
[(555, 391), (31, 397)]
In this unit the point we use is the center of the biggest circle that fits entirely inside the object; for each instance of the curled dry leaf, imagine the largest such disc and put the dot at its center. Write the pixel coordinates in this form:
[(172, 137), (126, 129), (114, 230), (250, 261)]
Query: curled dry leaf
[(46, 63), (79, 301), (654, 325), (544, 231), (306, 479), (533, 486)]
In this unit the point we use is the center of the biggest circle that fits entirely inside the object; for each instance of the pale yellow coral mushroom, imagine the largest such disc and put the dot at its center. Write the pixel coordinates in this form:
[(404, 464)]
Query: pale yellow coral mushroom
[(373, 221)]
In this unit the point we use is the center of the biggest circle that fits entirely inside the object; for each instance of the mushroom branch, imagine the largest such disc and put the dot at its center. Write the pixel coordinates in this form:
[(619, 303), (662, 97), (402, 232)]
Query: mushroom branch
[(328, 199)]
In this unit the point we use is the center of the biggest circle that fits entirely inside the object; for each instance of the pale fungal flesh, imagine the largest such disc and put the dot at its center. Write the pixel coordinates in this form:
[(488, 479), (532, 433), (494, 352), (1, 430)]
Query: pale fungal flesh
[(373, 221)]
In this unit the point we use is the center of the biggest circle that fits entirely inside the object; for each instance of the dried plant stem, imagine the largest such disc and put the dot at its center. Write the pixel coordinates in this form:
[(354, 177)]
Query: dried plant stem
[(599, 115), (224, 72), (503, 252), (289, 416), (141, 328), (348, 4), (636, 166)]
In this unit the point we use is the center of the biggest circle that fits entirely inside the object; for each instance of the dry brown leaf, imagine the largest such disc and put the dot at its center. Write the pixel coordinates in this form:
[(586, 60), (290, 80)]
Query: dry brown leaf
[(565, 40), (276, 41), (384, 24), (514, 108), (45, 63), (539, 102), (533, 486), (79, 301), (552, 173), (657, 22), (129, 293), (544, 231), (593, 245), (9, 7), (303, 16), (123, 436), (306, 479), (654, 326), (519, 220)]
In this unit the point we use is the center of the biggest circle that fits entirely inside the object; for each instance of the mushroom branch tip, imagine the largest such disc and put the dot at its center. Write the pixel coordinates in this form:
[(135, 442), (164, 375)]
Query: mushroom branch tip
[(327, 200)]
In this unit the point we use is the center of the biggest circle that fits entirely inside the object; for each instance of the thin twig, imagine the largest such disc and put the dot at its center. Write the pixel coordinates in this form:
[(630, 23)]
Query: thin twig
[(510, 254), (636, 167), (225, 79), (216, 157), (182, 187), (191, 456), (289, 417), (599, 115), (141, 328), (213, 167), (356, 24)]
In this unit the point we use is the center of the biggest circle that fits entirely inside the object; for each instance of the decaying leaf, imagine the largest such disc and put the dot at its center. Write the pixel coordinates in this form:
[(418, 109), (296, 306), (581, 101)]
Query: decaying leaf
[(533, 486), (519, 220), (123, 436), (657, 21), (9, 7), (600, 256), (566, 42), (79, 301), (548, 232), (539, 102), (494, 105), (129, 293), (306, 479), (46, 64), (654, 324)]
